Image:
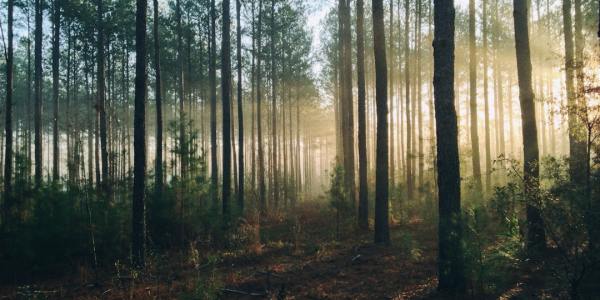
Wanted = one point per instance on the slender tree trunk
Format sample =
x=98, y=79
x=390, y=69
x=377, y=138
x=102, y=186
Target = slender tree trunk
x=473, y=99
x=363, y=194
x=410, y=186
x=261, y=158
x=382, y=234
x=392, y=70
x=226, y=94
x=240, y=109
x=38, y=93
x=139, y=173
x=8, y=153
x=535, y=233
x=158, y=180
x=488, y=154
x=212, y=74
x=55, y=86
x=183, y=143
x=450, y=256
x=101, y=99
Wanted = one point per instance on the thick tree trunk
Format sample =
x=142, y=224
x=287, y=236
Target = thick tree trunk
x=450, y=257
x=535, y=230
x=138, y=220
x=382, y=234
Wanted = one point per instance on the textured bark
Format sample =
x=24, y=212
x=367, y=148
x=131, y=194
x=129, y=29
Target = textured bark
x=158, y=180
x=363, y=193
x=473, y=99
x=535, y=229
x=450, y=257
x=382, y=234
x=226, y=94
x=138, y=219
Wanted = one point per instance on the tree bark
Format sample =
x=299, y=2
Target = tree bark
x=226, y=104
x=212, y=74
x=382, y=234
x=240, y=109
x=535, y=229
x=450, y=257
x=473, y=99
x=8, y=153
x=38, y=93
x=139, y=173
x=363, y=194
x=158, y=180
x=55, y=88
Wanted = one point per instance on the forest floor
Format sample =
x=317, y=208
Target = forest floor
x=299, y=259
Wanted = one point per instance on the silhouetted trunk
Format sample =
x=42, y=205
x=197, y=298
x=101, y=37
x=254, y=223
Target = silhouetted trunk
x=346, y=103
x=535, y=230
x=391, y=90
x=450, y=256
x=576, y=146
x=363, y=193
x=183, y=143
x=38, y=93
x=226, y=94
x=240, y=109
x=8, y=153
x=138, y=219
x=382, y=234
x=488, y=150
x=410, y=185
x=274, y=167
x=55, y=85
x=212, y=74
x=158, y=180
x=473, y=98
x=261, y=157
x=101, y=99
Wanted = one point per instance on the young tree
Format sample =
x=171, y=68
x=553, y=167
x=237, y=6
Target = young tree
x=450, y=257
x=382, y=233
x=363, y=193
x=226, y=94
x=138, y=219
x=535, y=230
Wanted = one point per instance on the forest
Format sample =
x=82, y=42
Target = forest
x=299, y=149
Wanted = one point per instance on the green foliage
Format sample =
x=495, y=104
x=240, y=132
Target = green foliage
x=337, y=197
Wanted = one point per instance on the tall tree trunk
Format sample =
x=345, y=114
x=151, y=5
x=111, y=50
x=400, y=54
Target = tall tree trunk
x=274, y=168
x=101, y=99
x=240, y=109
x=55, y=86
x=38, y=93
x=392, y=70
x=535, y=230
x=473, y=99
x=261, y=156
x=8, y=153
x=363, y=193
x=576, y=147
x=410, y=185
x=451, y=271
x=158, y=180
x=488, y=149
x=183, y=143
x=138, y=219
x=226, y=94
x=212, y=74
x=382, y=234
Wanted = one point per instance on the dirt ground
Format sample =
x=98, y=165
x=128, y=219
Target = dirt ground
x=300, y=259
